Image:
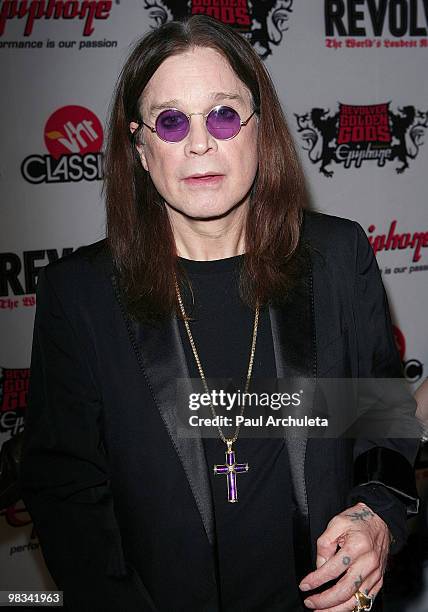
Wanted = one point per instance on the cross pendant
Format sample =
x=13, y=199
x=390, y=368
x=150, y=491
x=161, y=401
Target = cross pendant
x=230, y=468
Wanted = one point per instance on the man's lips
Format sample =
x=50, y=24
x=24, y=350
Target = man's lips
x=203, y=175
x=210, y=178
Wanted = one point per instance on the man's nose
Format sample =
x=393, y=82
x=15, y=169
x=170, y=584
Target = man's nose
x=199, y=140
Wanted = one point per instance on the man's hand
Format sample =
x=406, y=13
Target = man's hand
x=356, y=542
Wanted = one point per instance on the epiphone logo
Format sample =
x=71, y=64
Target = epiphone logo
x=398, y=240
x=34, y=10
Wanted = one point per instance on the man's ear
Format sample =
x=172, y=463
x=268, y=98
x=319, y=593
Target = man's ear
x=140, y=147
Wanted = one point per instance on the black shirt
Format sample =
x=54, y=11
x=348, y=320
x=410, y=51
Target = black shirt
x=254, y=549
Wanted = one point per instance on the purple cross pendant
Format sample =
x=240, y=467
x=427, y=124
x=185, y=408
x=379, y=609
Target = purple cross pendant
x=230, y=468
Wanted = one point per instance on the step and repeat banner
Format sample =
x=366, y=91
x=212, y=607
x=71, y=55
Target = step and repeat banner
x=351, y=75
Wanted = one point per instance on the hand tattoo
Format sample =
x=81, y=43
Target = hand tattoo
x=358, y=582
x=360, y=515
x=346, y=560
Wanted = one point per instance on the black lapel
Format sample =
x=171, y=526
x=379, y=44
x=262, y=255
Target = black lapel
x=294, y=340
x=293, y=333
x=162, y=361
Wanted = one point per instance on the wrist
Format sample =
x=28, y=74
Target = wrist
x=371, y=514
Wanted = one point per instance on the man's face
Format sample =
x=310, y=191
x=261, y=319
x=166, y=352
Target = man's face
x=195, y=82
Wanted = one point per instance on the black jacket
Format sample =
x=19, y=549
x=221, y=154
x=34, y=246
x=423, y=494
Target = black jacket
x=121, y=504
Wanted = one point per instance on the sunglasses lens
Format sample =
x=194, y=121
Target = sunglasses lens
x=223, y=122
x=172, y=125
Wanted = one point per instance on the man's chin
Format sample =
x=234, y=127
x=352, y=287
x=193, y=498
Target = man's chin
x=204, y=212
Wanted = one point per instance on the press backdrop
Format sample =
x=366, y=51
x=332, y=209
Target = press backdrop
x=352, y=79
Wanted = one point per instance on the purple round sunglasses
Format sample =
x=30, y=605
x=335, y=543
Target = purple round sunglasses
x=223, y=122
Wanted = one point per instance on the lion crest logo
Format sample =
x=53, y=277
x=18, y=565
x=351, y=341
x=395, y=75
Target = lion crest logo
x=357, y=134
x=263, y=23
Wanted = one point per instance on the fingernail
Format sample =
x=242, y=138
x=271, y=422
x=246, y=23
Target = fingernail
x=309, y=603
x=320, y=561
x=305, y=587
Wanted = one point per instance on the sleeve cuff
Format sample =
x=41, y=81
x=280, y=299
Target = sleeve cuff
x=389, y=468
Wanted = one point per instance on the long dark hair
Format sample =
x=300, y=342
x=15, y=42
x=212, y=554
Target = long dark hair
x=139, y=233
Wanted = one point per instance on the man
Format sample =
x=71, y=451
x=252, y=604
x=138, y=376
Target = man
x=209, y=264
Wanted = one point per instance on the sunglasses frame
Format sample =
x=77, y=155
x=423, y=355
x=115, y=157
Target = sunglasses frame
x=205, y=115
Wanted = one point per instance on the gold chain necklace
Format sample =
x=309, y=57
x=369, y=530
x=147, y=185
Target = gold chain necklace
x=231, y=467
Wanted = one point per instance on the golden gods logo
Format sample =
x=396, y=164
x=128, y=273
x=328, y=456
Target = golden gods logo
x=262, y=23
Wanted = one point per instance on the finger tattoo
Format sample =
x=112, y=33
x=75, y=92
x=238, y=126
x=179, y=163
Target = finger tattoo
x=358, y=582
x=346, y=560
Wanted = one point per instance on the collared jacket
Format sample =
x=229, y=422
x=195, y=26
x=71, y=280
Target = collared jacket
x=120, y=502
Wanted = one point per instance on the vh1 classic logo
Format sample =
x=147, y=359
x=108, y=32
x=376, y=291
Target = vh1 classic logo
x=357, y=134
x=73, y=135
